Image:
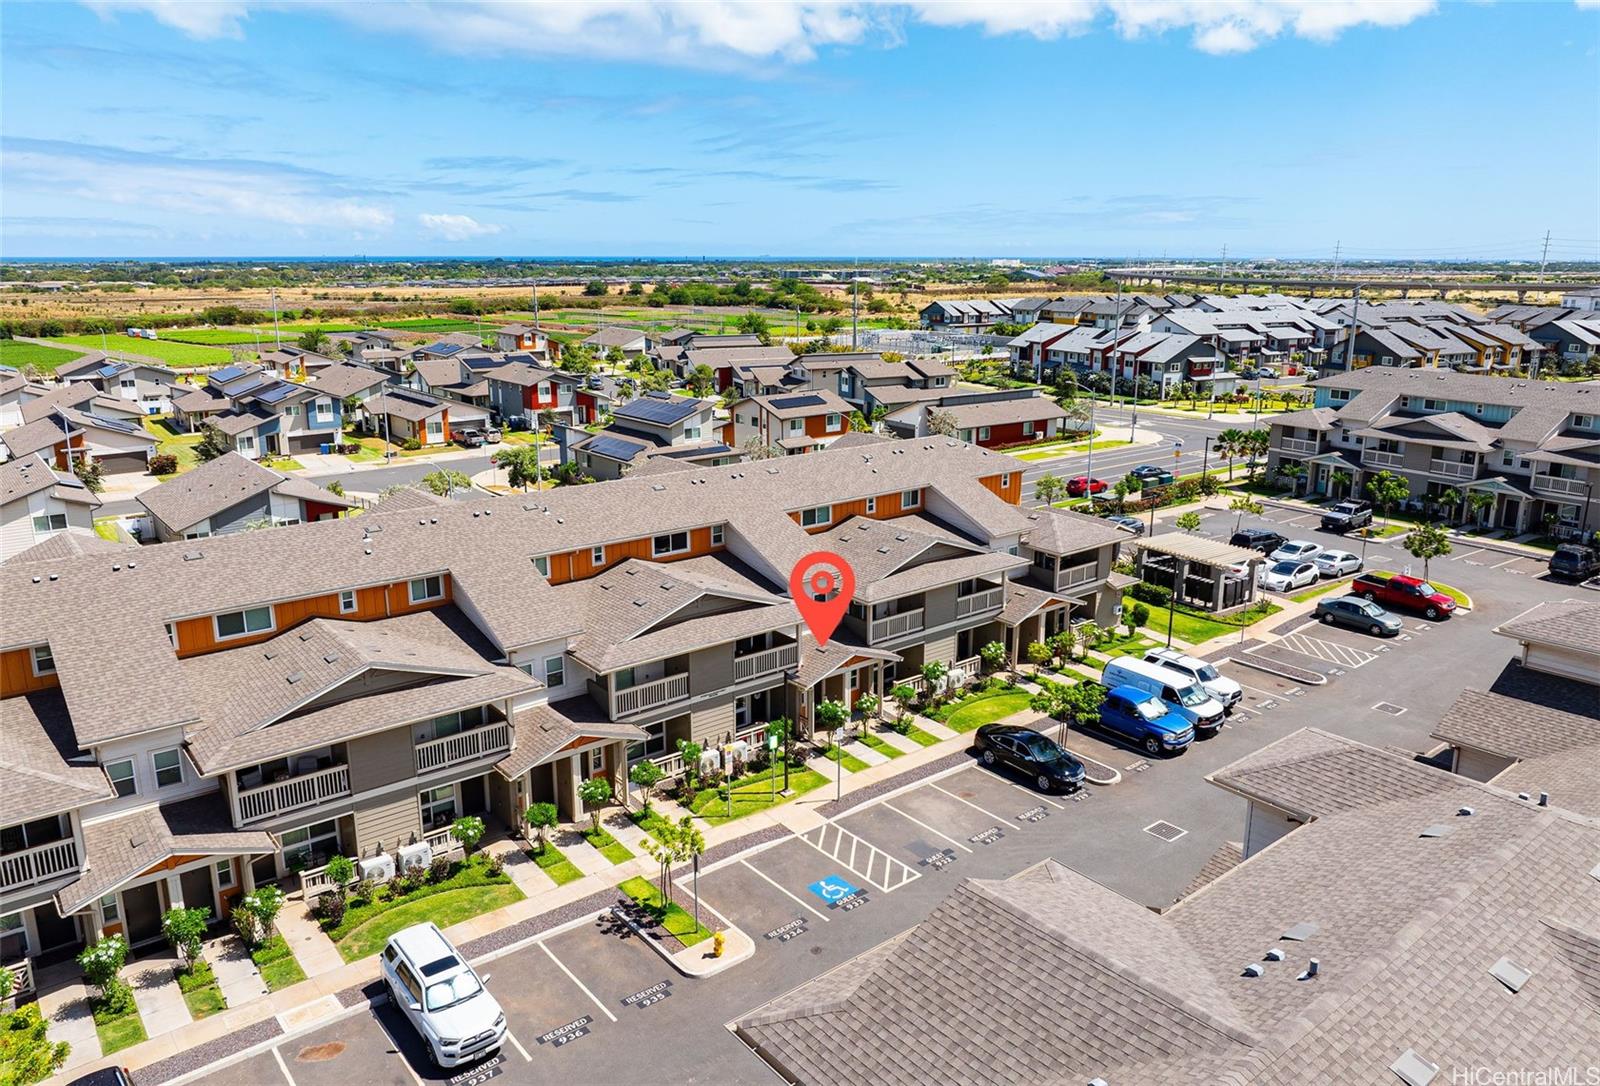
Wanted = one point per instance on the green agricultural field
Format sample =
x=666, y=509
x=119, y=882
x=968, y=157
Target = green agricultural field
x=17, y=355
x=248, y=337
x=442, y=324
x=168, y=351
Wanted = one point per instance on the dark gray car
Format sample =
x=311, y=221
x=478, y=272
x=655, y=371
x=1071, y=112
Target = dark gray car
x=1359, y=614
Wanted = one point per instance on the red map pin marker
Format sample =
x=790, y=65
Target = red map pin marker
x=822, y=584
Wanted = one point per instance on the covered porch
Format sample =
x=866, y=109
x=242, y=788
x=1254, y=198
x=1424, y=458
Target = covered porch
x=559, y=745
x=1032, y=614
x=842, y=670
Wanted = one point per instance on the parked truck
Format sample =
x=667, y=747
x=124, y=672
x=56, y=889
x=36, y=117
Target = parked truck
x=1403, y=594
x=1347, y=516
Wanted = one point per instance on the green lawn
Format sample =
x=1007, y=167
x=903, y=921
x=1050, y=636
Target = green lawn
x=917, y=735
x=169, y=351
x=469, y=891
x=277, y=964
x=1194, y=626
x=249, y=337
x=553, y=862
x=204, y=1002
x=679, y=924
x=754, y=793
x=286, y=463
x=650, y=822
x=1055, y=449
x=17, y=355
x=609, y=846
x=851, y=763
x=888, y=750
x=986, y=710
x=442, y=324
x=173, y=441
x=1386, y=531
x=1319, y=590
x=119, y=1033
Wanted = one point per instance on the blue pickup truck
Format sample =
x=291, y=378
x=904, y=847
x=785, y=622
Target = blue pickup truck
x=1143, y=718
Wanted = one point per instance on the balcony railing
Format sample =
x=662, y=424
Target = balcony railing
x=897, y=625
x=1555, y=484
x=671, y=764
x=463, y=747
x=1374, y=459
x=1453, y=469
x=1073, y=576
x=21, y=976
x=760, y=663
x=1298, y=445
x=294, y=793
x=637, y=699
x=987, y=600
x=38, y=864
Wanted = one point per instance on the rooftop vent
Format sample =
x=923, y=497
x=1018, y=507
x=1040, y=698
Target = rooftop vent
x=1465, y=812
x=1413, y=1069
x=638, y=603
x=55, y=576
x=37, y=579
x=1274, y=955
x=1300, y=932
x=294, y=678
x=1510, y=974
x=1544, y=799
x=192, y=556
x=658, y=487
x=330, y=657
x=1253, y=970
x=1311, y=970
x=1435, y=831
x=131, y=565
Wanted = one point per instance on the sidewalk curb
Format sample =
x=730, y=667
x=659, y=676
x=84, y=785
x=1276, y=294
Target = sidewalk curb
x=1245, y=659
x=726, y=962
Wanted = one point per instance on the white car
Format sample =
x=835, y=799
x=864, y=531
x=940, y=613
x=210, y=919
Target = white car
x=1215, y=683
x=1287, y=576
x=1337, y=563
x=1296, y=550
x=443, y=998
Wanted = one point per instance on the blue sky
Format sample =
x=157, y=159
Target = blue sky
x=1057, y=128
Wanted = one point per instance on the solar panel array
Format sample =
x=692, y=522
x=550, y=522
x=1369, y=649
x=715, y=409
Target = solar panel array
x=650, y=409
x=614, y=447
x=799, y=401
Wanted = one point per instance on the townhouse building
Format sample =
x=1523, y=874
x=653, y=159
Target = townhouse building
x=994, y=420
x=261, y=414
x=1573, y=345
x=519, y=391
x=16, y=390
x=79, y=395
x=351, y=381
x=148, y=387
x=963, y=315
x=234, y=493
x=721, y=357
x=629, y=341
x=39, y=502
x=445, y=658
x=66, y=436
x=657, y=422
x=403, y=415
x=295, y=363
x=515, y=338
x=1534, y=446
x=795, y=422
x=451, y=379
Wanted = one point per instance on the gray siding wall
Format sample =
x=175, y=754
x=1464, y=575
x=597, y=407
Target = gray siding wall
x=710, y=724
x=710, y=669
x=237, y=516
x=940, y=648
x=377, y=760
x=940, y=605
x=385, y=822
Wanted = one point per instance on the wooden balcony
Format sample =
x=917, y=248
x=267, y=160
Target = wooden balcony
x=761, y=663
x=1555, y=484
x=650, y=695
x=1073, y=576
x=905, y=622
x=280, y=797
x=1298, y=445
x=978, y=602
x=38, y=864
x=464, y=747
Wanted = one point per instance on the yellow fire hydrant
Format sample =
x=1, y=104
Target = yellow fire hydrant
x=717, y=941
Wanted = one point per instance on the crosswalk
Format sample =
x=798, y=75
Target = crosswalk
x=1331, y=652
x=860, y=856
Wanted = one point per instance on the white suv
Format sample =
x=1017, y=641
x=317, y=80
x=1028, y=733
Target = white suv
x=1213, y=681
x=445, y=1000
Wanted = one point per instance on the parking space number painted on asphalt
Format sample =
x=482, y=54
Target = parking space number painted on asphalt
x=481, y=1073
x=940, y=860
x=1034, y=814
x=988, y=836
x=578, y=1027
x=654, y=994
x=792, y=930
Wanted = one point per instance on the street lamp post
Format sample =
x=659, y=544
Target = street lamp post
x=1205, y=456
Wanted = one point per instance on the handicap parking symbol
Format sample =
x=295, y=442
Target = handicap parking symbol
x=832, y=889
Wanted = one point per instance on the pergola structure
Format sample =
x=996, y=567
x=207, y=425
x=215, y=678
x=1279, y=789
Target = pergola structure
x=1199, y=570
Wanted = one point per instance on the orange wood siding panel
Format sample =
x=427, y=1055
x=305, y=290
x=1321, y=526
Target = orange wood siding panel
x=1010, y=491
x=199, y=635
x=887, y=507
x=580, y=565
x=817, y=426
x=17, y=677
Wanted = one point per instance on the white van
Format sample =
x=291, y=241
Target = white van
x=1201, y=671
x=1182, y=695
x=443, y=998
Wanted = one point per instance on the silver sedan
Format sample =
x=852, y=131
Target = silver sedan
x=1337, y=563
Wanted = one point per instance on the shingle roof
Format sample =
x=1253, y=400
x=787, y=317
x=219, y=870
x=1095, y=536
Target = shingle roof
x=1001, y=412
x=614, y=336
x=347, y=379
x=34, y=760
x=68, y=544
x=548, y=728
x=207, y=489
x=30, y=473
x=41, y=434
x=660, y=409
x=1569, y=624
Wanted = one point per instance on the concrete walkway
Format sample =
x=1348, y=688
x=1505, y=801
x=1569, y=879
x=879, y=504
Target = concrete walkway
x=64, y=1003
x=312, y=948
x=237, y=975
x=584, y=856
x=860, y=750
x=896, y=740
x=156, y=991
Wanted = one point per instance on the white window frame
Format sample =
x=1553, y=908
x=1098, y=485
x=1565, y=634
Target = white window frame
x=819, y=516
x=832, y=420
x=543, y=391
x=347, y=601
x=49, y=527
x=429, y=799
x=1027, y=429
x=872, y=504
x=131, y=779
x=435, y=427
x=718, y=535
x=911, y=499
x=245, y=613
x=43, y=660
x=224, y=874
x=691, y=433
x=658, y=551
x=156, y=768
x=309, y=844
x=110, y=909
x=324, y=410
x=172, y=634
x=597, y=555
x=542, y=564
x=426, y=595
x=983, y=433
x=559, y=671
x=245, y=443
x=797, y=426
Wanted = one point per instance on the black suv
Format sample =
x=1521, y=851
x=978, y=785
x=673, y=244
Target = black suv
x=1575, y=562
x=1148, y=475
x=1264, y=540
x=1348, y=515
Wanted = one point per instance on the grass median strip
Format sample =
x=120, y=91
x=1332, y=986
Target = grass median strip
x=277, y=964
x=469, y=890
x=851, y=763
x=677, y=923
x=553, y=862
x=1319, y=590
x=1195, y=627
x=888, y=750
x=754, y=793
x=607, y=845
x=200, y=991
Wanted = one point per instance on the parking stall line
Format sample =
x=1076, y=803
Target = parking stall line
x=1507, y=562
x=780, y=888
x=1466, y=554
x=1037, y=795
x=873, y=852
x=1001, y=819
x=582, y=986
x=278, y=1056
x=512, y=1037
x=924, y=825
x=399, y=1053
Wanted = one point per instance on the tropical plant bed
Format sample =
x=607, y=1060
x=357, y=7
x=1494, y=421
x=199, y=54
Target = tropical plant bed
x=277, y=964
x=1196, y=626
x=755, y=792
x=851, y=763
x=607, y=845
x=469, y=891
x=553, y=862
x=200, y=990
x=877, y=743
x=118, y=1027
x=1385, y=531
x=670, y=917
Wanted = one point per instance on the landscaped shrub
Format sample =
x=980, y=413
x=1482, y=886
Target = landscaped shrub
x=438, y=869
x=331, y=907
x=185, y=929
x=1151, y=593
x=363, y=890
x=26, y=1052
x=163, y=464
x=495, y=866
x=102, y=962
x=411, y=444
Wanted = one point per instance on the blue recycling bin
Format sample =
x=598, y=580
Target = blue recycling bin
x=325, y=448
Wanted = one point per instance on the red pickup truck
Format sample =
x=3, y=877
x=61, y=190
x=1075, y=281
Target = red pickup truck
x=1403, y=594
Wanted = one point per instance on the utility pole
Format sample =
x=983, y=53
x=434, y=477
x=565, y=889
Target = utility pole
x=1223, y=274
x=1355, y=327
x=277, y=337
x=855, y=301
x=1544, y=257
x=1336, y=247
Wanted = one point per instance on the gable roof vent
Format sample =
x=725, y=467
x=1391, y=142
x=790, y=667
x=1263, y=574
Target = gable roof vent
x=1413, y=1069
x=1300, y=932
x=294, y=678
x=1510, y=974
x=1435, y=831
x=1466, y=812
x=188, y=556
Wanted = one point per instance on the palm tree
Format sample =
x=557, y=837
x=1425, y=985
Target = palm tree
x=1478, y=503
x=1451, y=500
x=1230, y=443
x=1339, y=479
x=1294, y=472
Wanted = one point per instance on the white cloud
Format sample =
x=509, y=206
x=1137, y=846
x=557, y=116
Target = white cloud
x=720, y=33
x=457, y=227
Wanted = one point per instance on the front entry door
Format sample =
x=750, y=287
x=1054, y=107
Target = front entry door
x=197, y=894
x=1508, y=513
x=55, y=930
x=142, y=906
x=474, y=799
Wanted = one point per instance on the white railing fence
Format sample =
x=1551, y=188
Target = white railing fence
x=986, y=600
x=463, y=746
x=38, y=863
x=648, y=695
x=896, y=625
x=759, y=663
x=304, y=791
